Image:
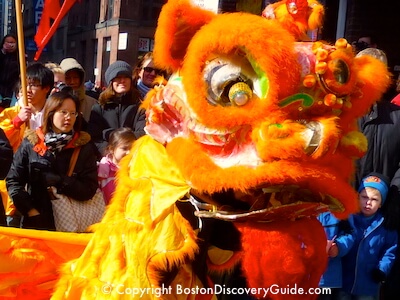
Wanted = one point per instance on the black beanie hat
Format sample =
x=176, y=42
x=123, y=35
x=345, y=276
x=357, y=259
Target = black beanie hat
x=117, y=68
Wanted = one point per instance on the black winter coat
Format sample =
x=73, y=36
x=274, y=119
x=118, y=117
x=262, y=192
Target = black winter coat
x=382, y=129
x=112, y=114
x=9, y=73
x=29, y=168
x=6, y=157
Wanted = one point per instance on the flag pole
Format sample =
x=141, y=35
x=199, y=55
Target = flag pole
x=21, y=50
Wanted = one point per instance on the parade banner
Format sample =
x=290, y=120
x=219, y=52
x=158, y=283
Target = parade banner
x=52, y=15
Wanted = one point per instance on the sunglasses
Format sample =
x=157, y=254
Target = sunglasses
x=150, y=69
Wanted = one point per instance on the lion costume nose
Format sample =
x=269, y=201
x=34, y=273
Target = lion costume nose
x=290, y=140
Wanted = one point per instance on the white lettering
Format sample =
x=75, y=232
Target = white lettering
x=39, y=4
x=179, y=289
x=120, y=289
x=38, y=16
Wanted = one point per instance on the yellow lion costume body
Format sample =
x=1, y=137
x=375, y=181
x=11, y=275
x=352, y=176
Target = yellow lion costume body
x=252, y=137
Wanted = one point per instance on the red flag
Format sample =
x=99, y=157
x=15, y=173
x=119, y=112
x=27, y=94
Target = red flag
x=51, y=11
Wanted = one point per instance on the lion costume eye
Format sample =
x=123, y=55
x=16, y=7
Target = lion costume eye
x=227, y=84
x=341, y=71
x=334, y=72
x=336, y=78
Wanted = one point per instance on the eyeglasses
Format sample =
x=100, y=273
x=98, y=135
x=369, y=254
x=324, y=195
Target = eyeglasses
x=66, y=113
x=33, y=86
x=150, y=69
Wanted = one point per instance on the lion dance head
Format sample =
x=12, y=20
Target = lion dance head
x=251, y=111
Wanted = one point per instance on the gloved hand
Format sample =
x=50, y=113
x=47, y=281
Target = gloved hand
x=36, y=222
x=51, y=178
x=378, y=276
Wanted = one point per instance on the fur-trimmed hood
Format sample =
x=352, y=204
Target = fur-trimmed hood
x=36, y=138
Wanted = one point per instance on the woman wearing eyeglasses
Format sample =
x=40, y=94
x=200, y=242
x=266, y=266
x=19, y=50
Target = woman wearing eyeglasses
x=145, y=73
x=43, y=159
x=118, y=107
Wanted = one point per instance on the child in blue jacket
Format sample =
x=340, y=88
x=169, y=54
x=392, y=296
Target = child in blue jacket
x=372, y=246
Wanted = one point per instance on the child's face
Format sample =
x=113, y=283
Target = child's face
x=120, y=151
x=370, y=200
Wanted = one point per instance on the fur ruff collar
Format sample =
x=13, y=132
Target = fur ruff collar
x=36, y=138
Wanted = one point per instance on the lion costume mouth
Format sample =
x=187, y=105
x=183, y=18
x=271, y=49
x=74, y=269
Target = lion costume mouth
x=267, y=204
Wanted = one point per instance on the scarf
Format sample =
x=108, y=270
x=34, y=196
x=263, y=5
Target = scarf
x=55, y=142
x=143, y=89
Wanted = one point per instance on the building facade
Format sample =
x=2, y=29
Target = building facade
x=125, y=31
x=7, y=17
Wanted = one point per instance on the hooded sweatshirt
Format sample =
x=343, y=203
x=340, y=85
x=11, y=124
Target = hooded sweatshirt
x=87, y=102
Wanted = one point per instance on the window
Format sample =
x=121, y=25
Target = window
x=110, y=9
x=151, y=10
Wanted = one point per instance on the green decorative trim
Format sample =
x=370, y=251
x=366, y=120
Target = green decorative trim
x=306, y=100
x=276, y=125
x=262, y=78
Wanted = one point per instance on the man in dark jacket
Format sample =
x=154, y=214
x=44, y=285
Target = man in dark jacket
x=6, y=156
x=381, y=128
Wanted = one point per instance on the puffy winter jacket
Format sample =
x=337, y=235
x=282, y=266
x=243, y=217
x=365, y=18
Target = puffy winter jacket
x=373, y=247
x=113, y=113
x=26, y=184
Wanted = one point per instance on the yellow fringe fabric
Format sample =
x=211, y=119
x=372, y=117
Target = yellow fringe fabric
x=141, y=235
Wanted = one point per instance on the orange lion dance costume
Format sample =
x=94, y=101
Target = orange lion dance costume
x=252, y=137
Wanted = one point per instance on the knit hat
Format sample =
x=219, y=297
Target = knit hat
x=376, y=181
x=117, y=68
x=89, y=85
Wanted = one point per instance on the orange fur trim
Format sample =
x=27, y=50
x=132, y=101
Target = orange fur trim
x=226, y=267
x=317, y=14
x=178, y=22
x=355, y=144
x=373, y=78
x=284, y=254
x=280, y=141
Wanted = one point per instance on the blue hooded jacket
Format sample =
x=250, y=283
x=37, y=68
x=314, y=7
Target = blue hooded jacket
x=374, y=248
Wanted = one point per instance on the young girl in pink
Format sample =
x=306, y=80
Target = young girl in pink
x=119, y=145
